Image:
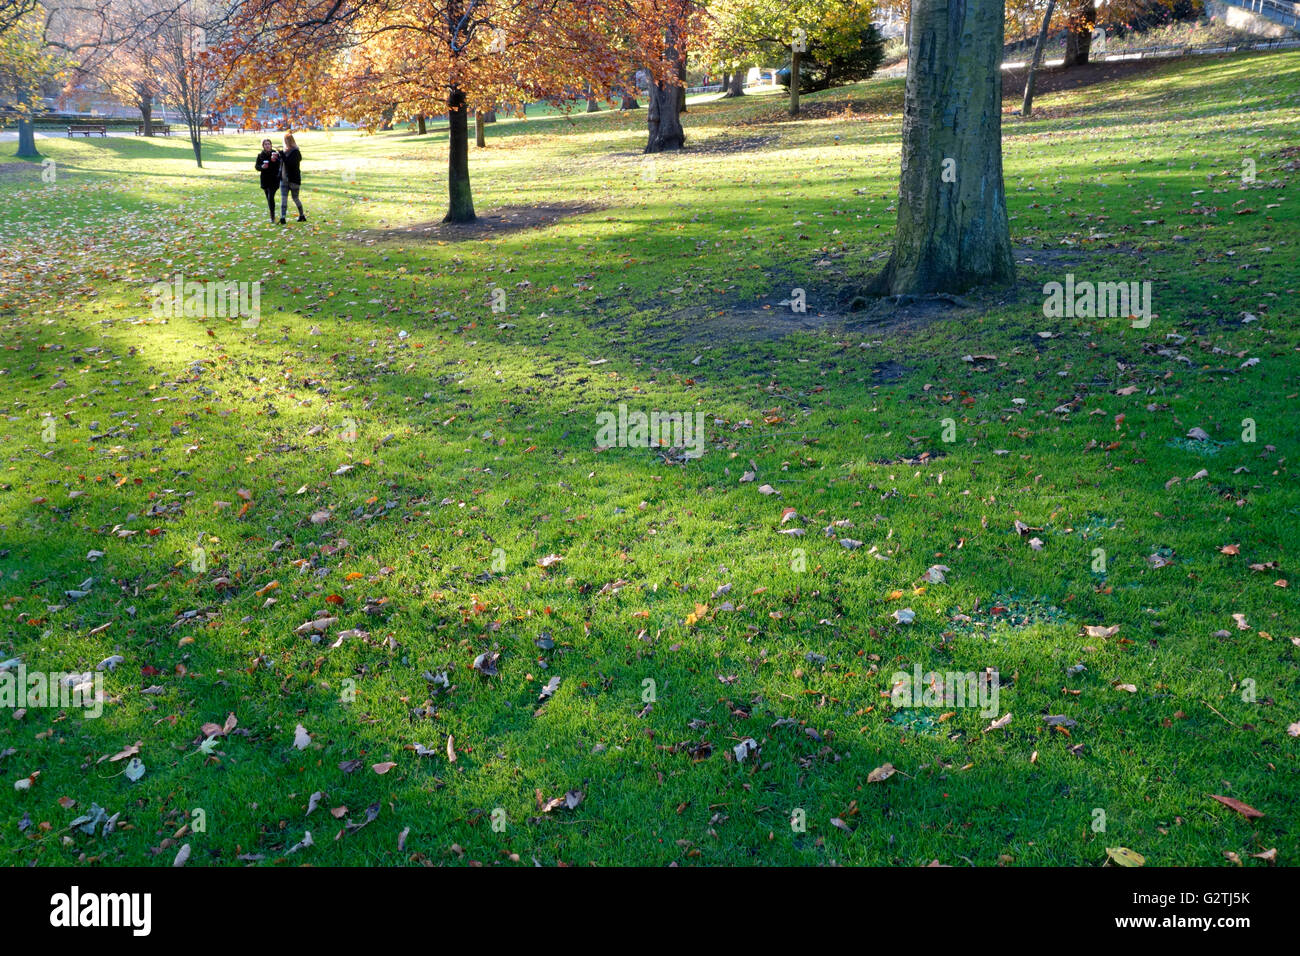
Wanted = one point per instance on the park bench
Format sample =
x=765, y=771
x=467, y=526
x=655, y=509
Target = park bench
x=86, y=130
x=159, y=129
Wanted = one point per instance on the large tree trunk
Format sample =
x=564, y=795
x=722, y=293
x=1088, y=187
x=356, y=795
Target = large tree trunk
x=420, y=126
x=1027, y=107
x=1078, y=32
x=952, y=228
x=480, y=135
x=629, y=102
x=26, y=131
x=681, y=90
x=737, y=85
x=663, y=120
x=794, y=80
x=663, y=117
x=460, y=207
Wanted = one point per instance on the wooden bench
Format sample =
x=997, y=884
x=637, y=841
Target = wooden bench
x=87, y=130
x=159, y=129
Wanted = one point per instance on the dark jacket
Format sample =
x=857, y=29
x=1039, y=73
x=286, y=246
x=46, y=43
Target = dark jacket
x=270, y=169
x=290, y=170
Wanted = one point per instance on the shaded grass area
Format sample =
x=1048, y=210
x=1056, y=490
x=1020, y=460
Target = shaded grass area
x=386, y=447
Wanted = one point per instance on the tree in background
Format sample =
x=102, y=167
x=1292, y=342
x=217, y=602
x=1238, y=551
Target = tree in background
x=845, y=48
x=742, y=32
x=185, y=37
x=25, y=62
x=357, y=58
x=130, y=65
x=952, y=229
x=659, y=31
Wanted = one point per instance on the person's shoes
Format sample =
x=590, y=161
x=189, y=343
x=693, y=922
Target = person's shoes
x=282, y=220
x=302, y=218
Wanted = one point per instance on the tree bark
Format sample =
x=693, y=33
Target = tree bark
x=460, y=207
x=420, y=127
x=726, y=82
x=480, y=135
x=794, y=81
x=145, y=102
x=26, y=131
x=681, y=90
x=663, y=117
x=629, y=102
x=737, y=86
x=952, y=229
x=593, y=106
x=1027, y=107
x=1078, y=33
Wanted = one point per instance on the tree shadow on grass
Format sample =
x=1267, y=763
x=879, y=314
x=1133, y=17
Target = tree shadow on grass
x=499, y=222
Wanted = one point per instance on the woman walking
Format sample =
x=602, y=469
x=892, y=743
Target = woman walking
x=268, y=164
x=290, y=177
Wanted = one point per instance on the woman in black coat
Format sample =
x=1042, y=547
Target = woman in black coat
x=290, y=177
x=268, y=164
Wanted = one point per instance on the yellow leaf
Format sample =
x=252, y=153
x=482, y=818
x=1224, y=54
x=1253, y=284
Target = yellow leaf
x=1124, y=856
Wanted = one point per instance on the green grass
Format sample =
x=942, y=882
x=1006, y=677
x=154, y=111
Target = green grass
x=474, y=459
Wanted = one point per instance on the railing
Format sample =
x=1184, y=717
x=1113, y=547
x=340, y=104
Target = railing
x=1287, y=14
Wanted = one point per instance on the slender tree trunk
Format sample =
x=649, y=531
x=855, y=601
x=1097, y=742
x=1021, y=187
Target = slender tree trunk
x=794, y=81
x=1078, y=35
x=726, y=81
x=593, y=106
x=480, y=135
x=460, y=206
x=196, y=139
x=421, y=128
x=145, y=102
x=952, y=229
x=490, y=116
x=26, y=131
x=1027, y=108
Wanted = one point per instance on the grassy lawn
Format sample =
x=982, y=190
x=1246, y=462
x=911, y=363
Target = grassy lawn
x=385, y=449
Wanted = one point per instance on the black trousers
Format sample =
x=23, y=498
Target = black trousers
x=270, y=200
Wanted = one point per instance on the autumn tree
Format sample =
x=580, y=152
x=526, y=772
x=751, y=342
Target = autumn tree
x=25, y=61
x=952, y=229
x=356, y=58
x=126, y=54
x=742, y=32
x=661, y=29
